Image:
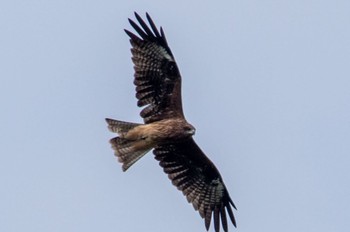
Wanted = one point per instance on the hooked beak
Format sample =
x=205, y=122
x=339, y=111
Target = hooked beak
x=192, y=131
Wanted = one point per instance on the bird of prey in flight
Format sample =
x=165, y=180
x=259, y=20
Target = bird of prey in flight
x=165, y=129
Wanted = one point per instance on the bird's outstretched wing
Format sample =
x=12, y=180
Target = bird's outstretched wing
x=195, y=175
x=157, y=77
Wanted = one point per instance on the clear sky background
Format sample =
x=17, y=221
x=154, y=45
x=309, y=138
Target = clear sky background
x=266, y=84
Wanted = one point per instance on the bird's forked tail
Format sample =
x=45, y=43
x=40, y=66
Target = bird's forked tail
x=127, y=150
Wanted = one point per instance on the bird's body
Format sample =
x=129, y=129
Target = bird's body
x=165, y=129
x=140, y=138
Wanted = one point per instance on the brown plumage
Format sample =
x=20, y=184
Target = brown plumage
x=166, y=131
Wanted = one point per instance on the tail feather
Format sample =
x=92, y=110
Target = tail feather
x=120, y=127
x=128, y=151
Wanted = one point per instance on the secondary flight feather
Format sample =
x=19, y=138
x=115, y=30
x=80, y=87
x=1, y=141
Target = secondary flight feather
x=165, y=129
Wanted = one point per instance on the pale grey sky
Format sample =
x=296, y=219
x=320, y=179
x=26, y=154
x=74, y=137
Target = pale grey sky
x=266, y=84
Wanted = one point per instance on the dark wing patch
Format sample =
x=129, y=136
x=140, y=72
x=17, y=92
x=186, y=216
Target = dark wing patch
x=157, y=77
x=196, y=176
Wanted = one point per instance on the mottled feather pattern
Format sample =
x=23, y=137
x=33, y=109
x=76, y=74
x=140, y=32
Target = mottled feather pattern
x=127, y=152
x=166, y=131
x=187, y=167
x=120, y=127
x=150, y=71
x=157, y=78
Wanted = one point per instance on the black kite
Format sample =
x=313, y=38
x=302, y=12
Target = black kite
x=166, y=131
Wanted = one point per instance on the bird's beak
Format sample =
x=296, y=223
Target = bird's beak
x=192, y=132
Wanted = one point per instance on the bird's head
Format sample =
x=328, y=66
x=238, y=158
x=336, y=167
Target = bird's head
x=189, y=130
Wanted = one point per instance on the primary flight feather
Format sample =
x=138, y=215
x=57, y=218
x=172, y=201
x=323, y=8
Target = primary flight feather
x=165, y=129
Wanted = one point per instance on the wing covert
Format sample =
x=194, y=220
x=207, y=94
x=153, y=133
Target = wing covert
x=199, y=180
x=157, y=77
